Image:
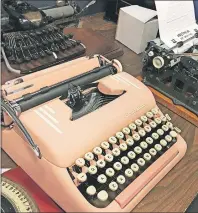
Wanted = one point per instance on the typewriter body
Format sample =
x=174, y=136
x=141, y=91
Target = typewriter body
x=103, y=158
x=173, y=74
x=24, y=16
x=36, y=41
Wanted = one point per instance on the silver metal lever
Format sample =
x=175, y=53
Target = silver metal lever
x=12, y=113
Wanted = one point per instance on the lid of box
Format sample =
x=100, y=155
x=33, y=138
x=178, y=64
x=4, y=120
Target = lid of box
x=140, y=13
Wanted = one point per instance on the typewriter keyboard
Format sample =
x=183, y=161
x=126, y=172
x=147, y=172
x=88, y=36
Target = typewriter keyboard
x=40, y=48
x=104, y=172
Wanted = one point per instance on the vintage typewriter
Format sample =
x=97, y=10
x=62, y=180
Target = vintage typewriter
x=90, y=135
x=173, y=74
x=36, y=41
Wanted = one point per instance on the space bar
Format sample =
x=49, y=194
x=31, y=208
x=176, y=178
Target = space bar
x=140, y=182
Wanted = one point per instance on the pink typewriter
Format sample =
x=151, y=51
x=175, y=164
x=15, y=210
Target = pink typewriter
x=90, y=135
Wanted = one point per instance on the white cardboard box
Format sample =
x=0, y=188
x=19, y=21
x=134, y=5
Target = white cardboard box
x=136, y=26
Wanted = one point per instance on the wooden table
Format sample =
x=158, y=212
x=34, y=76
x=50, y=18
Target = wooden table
x=176, y=191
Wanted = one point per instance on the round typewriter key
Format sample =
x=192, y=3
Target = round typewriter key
x=116, y=152
x=154, y=111
x=138, y=122
x=158, y=147
x=143, y=145
x=117, y=166
x=142, y=133
x=82, y=177
x=102, y=195
x=137, y=150
x=149, y=114
x=123, y=146
x=91, y=190
x=121, y=179
x=149, y=140
x=108, y=157
x=168, y=117
x=155, y=136
x=97, y=151
x=80, y=162
x=130, y=142
x=160, y=132
x=112, y=140
x=124, y=160
x=165, y=128
x=147, y=156
x=163, y=118
x=113, y=186
x=89, y=156
x=144, y=118
x=135, y=167
x=153, y=124
x=141, y=162
x=158, y=120
x=105, y=145
x=136, y=137
x=119, y=135
x=101, y=163
x=170, y=125
x=102, y=179
x=131, y=155
x=173, y=134
x=163, y=142
x=152, y=151
x=126, y=131
x=147, y=128
x=128, y=173
x=110, y=172
x=168, y=138
x=132, y=126
x=92, y=170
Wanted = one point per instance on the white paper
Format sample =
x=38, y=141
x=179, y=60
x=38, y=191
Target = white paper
x=176, y=23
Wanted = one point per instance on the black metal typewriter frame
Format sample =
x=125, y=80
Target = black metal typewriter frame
x=177, y=78
x=27, y=67
x=76, y=54
x=154, y=79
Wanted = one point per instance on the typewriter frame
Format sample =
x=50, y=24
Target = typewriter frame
x=60, y=185
x=173, y=79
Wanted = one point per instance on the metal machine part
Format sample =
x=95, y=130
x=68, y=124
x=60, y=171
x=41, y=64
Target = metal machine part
x=174, y=75
x=11, y=111
x=14, y=198
x=24, y=16
x=61, y=88
x=83, y=103
x=47, y=46
x=60, y=12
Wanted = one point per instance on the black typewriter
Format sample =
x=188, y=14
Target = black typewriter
x=174, y=75
x=25, y=16
x=35, y=42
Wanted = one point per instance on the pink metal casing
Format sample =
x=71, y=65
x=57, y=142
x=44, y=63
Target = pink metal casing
x=62, y=141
